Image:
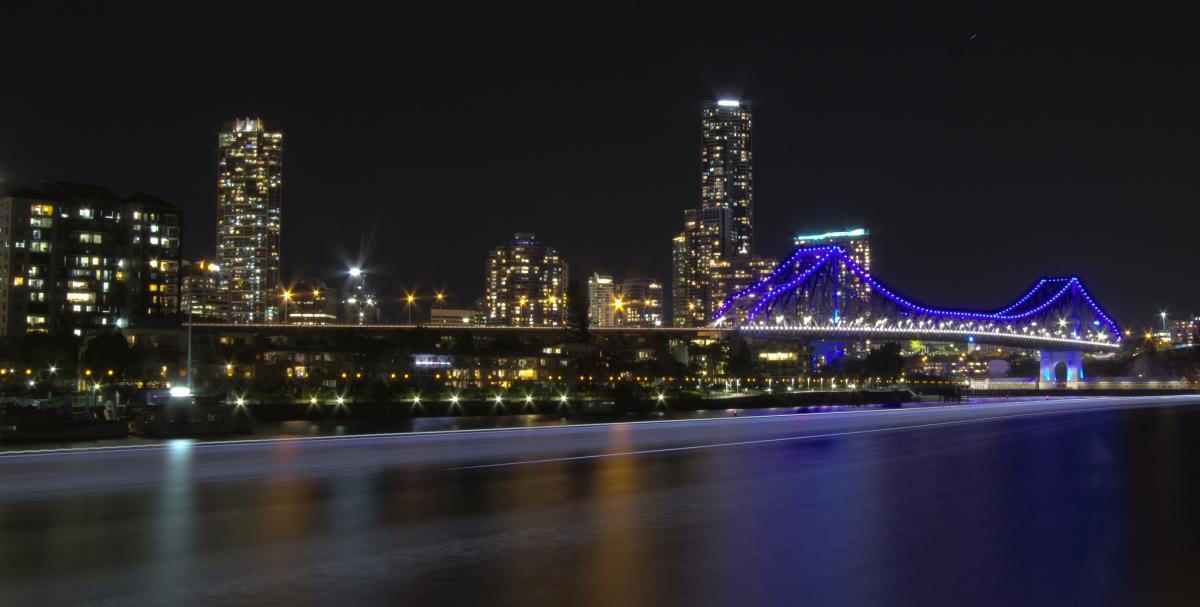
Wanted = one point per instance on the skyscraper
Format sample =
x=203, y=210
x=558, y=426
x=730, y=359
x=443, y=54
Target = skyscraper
x=249, y=206
x=525, y=285
x=726, y=177
x=722, y=228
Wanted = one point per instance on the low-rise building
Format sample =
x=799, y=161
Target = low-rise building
x=451, y=316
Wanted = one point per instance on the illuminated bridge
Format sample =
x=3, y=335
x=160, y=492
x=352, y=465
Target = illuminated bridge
x=821, y=293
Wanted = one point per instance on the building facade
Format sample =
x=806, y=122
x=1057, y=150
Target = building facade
x=602, y=295
x=452, y=316
x=641, y=303
x=77, y=258
x=697, y=250
x=204, y=292
x=310, y=303
x=525, y=285
x=359, y=304
x=1185, y=332
x=857, y=245
x=249, y=217
x=727, y=176
x=722, y=227
x=731, y=275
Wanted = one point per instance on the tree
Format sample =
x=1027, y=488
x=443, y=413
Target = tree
x=109, y=351
x=577, y=311
x=737, y=356
x=884, y=361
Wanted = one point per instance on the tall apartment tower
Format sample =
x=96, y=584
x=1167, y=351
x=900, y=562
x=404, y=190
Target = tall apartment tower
x=249, y=206
x=727, y=177
x=723, y=227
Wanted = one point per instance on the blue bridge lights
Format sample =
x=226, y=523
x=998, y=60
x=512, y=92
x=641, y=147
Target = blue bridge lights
x=810, y=293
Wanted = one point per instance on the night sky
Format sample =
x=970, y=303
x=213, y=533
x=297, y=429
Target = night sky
x=981, y=149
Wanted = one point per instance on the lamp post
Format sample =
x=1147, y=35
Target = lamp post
x=287, y=296
x=1163, y=314
x=409, y=301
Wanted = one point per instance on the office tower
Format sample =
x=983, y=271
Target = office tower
x=249, y=205
x=727, y=178
x=78, y=258
x=857, y=245
x=525, y=285
x=601, y=299
x=205, y=296
x=640, y=303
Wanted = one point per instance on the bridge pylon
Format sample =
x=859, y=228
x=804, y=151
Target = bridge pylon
x=1065, y=366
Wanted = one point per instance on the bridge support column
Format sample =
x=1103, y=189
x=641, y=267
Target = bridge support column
x=1072, y=360
x=827, y=353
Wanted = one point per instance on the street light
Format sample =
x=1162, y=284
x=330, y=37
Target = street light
x=409, y=301
x=355, y=272
x=287, y=296
x=1163, y=314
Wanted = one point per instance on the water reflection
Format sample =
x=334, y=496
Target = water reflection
x=173, y=546
x=1090, y=509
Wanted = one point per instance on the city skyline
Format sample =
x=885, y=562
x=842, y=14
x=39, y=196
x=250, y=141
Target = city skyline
x=916, y=167
x=511, y=304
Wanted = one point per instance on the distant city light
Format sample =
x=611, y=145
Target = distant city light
x=356, y=272
x=728, y=103
x=180, y=391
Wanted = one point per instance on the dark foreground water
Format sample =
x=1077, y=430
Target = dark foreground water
x=1081, y=502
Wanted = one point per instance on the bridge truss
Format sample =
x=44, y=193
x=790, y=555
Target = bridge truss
x=823, y=291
